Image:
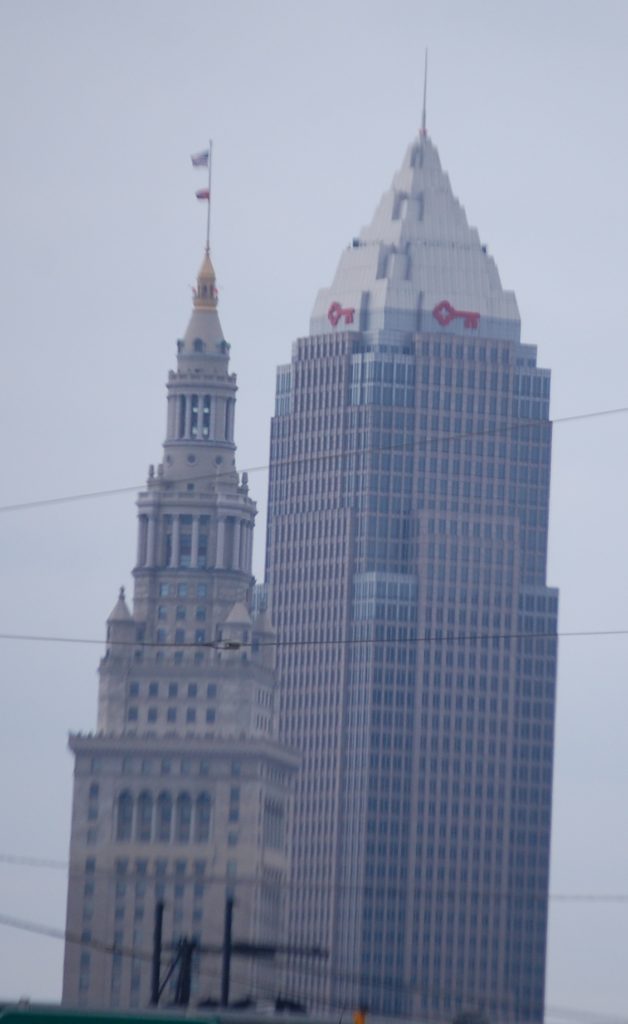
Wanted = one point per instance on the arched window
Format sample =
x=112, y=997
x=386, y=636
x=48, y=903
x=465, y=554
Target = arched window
x=183, y=818
x=164, y=817
x=144, y=824
x=198, y=345
x=203, y=817
x=125, y=816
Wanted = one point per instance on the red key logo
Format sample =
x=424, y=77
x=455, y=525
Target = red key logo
x=444, y=312
x=335, y=314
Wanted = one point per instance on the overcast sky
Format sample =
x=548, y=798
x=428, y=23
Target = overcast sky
x=311, y=106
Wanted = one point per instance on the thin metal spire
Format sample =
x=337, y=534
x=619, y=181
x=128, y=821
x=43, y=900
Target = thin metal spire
x=423, y=116
x=209, y=195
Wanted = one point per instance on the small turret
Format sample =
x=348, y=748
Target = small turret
x=120, y=624
x=236, y=630
x=120, y=611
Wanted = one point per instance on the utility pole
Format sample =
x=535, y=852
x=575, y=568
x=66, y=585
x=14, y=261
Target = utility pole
x=186, y=948
x=226, y=953
x=184, y=980
x=251, y=949
x=157, y=938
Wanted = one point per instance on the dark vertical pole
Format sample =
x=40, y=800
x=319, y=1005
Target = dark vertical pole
x=159, y=920
x=226, y=952
x=184, y=983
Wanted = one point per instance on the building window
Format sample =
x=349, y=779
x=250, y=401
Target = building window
x=132, y=714
x=203, y=817
x=210, y=715
x=184, y=818
x=206, y=413
x=144, y=817
x=92, y=803
x=164, y=817
x=125, y=816
x=234, y=803
x=190, y=715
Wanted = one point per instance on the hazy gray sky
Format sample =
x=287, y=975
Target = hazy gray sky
x=311, y=106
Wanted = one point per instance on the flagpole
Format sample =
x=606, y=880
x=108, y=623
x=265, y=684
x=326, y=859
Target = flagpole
x=209, y=194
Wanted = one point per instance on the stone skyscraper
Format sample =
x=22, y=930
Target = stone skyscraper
x=406, y=571
x=183, y=794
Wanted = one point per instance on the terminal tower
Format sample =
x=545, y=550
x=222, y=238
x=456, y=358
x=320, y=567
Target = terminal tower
x=182, y=795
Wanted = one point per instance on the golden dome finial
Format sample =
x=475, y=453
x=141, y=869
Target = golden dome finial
x=206, y=293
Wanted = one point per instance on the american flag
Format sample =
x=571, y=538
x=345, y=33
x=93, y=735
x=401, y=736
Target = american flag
x=200, y=159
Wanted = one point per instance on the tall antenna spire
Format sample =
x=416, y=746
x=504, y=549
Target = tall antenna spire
x=209, y=194
x=423, y=115
x=204, y=159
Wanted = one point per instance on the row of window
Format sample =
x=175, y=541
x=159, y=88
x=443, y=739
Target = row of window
x=171, y=689
x=167, y=766
x=183, y=589
x=181, y=612
x=181, y=636
x=153, y=715
x=166, y=819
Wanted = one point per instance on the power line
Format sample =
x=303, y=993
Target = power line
x=323, y=456
x=226, y=645
x=221, y=879
x=325, y=972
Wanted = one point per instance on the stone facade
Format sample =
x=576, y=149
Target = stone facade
x=184, y=793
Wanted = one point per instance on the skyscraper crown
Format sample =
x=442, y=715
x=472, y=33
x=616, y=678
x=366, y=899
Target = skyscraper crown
x=417, y=265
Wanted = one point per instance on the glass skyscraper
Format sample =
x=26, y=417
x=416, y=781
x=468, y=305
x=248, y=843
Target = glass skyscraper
x=406, y=572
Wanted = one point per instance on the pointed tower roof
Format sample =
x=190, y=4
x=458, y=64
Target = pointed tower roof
x=206, y=295
x=120, y=611
x=204, y=325
x=239, y=615
x=417, y=253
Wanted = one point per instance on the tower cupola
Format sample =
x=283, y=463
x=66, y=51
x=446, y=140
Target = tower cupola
x=206, y=293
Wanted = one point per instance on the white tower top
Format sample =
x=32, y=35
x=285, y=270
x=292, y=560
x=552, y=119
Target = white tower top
x=418, y=264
